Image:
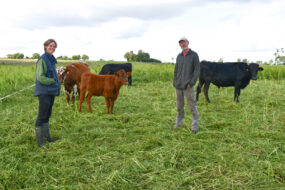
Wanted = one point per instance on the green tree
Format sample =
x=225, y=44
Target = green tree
x=140, y=57
x=16, y=56
x=19, y=56
x=76, y=57
x=279, y=56
x=133, y=57
x=245, y=60
x=85, y=57
x=127, y=56
x=239, y=60
x=35, y=56
x=151, y=60
x=143, y=56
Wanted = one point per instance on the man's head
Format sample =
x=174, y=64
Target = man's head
x=183, y=42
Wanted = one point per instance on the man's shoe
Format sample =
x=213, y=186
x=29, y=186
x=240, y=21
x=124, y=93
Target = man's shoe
x=178, y=122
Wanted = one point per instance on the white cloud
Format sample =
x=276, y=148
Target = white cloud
x=108, y=29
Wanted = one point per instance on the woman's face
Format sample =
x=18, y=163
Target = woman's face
x=51, y=48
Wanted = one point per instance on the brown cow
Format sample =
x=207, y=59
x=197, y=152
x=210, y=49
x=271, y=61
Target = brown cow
x=102, y=85
x=71, y=77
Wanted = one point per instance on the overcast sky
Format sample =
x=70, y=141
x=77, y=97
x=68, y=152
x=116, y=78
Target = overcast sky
x=107, y=29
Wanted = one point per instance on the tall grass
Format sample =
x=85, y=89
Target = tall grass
x=238, y=146
x=272, y=72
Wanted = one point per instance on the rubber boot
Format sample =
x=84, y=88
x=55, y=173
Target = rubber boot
x=40, y=136
x=47, y=134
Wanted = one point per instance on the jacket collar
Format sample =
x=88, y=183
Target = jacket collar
x=51, y=58
x=189, y=52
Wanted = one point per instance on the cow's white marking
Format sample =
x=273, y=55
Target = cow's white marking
x=74, y=90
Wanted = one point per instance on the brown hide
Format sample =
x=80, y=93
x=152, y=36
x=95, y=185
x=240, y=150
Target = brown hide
x=72, y=77
x=102, y=85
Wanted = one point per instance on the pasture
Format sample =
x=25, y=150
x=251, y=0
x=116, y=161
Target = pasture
x=238, y=146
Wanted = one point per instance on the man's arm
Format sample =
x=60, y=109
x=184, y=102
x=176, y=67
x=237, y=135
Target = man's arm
x=196, y=72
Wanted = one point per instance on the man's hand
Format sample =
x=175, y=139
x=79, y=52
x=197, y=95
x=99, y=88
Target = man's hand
x=189, y=86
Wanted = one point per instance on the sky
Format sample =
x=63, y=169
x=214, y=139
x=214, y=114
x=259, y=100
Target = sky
x=107, y=29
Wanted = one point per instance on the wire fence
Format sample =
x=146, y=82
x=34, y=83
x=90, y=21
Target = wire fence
x=16, y=92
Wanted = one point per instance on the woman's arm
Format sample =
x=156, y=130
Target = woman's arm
x=41, y=73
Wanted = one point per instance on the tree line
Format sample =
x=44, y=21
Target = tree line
x=140, y=57
x=37, y=55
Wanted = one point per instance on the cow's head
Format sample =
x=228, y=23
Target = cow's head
x=253, y=68
x=60, y=73
x=122, y=75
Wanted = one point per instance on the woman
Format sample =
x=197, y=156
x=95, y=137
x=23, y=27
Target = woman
x=47, y=87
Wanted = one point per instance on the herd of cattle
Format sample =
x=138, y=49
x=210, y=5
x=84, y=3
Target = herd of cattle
x=77, y=78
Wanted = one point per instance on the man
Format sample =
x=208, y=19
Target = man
x=186, y=73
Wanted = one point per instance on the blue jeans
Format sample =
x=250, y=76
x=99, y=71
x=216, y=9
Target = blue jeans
x=45, y=109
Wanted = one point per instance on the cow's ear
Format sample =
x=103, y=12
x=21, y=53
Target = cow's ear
x=247, y=68
x=260, y=68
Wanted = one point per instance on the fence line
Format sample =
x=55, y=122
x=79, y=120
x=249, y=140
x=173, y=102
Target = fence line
x=16, y=92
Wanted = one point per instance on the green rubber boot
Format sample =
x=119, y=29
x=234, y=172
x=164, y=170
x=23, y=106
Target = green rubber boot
x=40, y=136
x=47, y=134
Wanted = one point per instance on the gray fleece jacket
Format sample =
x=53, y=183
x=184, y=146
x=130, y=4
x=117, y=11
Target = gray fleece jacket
x=187, y=70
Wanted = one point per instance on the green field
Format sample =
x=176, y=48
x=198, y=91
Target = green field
x=238, y=146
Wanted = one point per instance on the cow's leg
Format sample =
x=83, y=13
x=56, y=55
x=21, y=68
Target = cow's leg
x=67, y=97
x=66, y=94
x=199, y=87
x=237, y=93
x=88, y=99
x=112, y=102
x=81, y=99
x=74, y=93
x=206, y=89
x=78, y=91
x=130, y=80
x=107, y=99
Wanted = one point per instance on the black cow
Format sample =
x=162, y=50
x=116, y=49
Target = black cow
x=237, y=74
x=110, y=69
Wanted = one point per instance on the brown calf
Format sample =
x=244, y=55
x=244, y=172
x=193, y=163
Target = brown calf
x=71, y=78
x=102, y=85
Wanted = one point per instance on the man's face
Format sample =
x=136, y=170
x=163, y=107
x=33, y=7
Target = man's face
x=184, y=44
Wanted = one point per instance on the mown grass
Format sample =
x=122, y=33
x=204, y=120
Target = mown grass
x=239, y=146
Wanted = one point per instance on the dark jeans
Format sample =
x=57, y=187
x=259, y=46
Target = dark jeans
x=45, y=109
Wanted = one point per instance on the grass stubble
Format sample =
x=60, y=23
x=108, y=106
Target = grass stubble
x=238, y=146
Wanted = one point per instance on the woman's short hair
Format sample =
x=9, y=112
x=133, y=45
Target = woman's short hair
x=48, y=42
